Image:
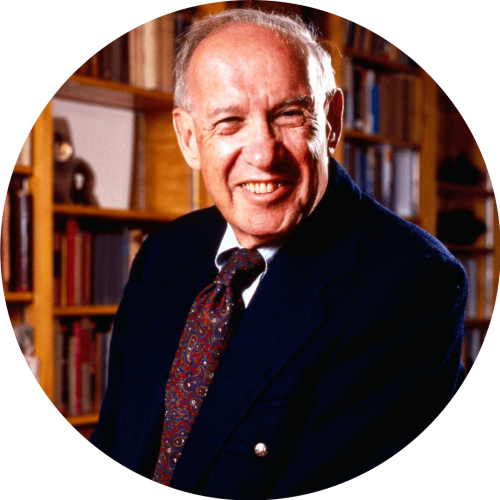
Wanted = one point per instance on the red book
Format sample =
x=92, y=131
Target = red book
x=86, y=375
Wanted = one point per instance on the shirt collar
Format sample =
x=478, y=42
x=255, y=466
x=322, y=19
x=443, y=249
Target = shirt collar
x=229, y=241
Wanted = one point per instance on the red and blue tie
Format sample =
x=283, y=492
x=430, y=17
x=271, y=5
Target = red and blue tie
x=212, y=320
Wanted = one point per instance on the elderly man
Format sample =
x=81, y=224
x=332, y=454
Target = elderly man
x=325, y=332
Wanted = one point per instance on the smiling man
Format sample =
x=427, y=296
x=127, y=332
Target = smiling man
x=258, y=129
x=297, y=334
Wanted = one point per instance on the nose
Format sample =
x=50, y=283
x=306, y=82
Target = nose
x=262, y=147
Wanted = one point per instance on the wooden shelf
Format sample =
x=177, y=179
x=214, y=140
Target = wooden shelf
x=459, y=190
x=18, y=297
x=70, y=210
x=97, y=91
x=24, y=170
x=381, y=62
x=469, y=249
x=81, y=420
x=477, y=323
x=90, y=310
x=358, y=136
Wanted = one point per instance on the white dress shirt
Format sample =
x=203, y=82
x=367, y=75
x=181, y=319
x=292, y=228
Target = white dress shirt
x=268, y=252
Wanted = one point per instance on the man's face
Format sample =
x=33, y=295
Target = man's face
x=256, y=130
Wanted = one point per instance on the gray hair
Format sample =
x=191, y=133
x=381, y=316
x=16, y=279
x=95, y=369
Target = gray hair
x=292, y=30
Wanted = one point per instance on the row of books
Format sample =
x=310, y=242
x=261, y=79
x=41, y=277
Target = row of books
x=388, y=104
x=92, y=266
x=16, y=242
x=480, y=273
x=81, y=364
x=388, y=174
x=358, y=38
x=144, y=57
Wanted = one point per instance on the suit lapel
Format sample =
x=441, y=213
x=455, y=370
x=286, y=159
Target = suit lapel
x=284, y=313
x=160, y=307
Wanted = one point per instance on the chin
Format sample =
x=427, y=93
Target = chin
x=259, y=234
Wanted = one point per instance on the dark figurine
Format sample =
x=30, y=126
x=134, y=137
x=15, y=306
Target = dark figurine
x=74, y=179
x=460, y=170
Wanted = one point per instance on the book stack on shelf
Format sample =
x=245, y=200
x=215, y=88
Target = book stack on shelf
x=91, y=266
x=16, y=225
x=390, y=175
x=356, y=38
x=144, y=57
x=81, y=364
x=16, y=256
x=381, y=103
x=383, y=119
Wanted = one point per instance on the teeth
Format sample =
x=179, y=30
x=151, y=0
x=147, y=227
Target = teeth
x=261, y=187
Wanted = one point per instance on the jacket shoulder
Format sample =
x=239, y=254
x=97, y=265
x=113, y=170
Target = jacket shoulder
x=186, y=239
x=407, y=253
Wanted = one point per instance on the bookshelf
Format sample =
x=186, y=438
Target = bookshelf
x=165, y=168
x=465, y=190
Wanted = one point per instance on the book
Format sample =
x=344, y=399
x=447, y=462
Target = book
x=405, y=188
x=71, y=261
x=81, y=350
x=144, y=57
x=391, y=176
x=383, y=104
x=21, y=236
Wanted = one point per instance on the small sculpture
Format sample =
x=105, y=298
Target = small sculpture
x=74, y=179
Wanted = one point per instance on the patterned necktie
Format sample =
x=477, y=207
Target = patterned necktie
x=211, y=321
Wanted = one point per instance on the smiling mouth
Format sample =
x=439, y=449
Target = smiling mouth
x=261, y=187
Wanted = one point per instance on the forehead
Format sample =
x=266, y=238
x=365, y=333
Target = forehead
x=246, y=59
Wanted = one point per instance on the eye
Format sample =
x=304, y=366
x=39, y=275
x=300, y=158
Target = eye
x=228, y=125
x=291, y=118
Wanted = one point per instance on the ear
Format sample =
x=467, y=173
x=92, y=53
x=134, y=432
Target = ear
x=334, y=118
x=186, y=137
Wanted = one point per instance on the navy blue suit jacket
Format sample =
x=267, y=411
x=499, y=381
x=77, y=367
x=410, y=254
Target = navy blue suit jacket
x=349, y=349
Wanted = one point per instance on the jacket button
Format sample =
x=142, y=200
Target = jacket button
x=260, y=450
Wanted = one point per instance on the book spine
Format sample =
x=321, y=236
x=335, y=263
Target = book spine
x=22, y=241
x=71, y=230
x=78, y=356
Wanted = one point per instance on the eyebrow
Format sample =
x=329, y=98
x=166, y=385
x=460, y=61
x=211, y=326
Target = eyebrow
x=305, y=100
x=221, y=111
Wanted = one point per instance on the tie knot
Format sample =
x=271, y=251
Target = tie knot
x=242, y=267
